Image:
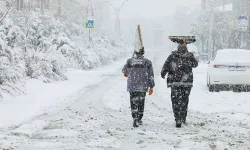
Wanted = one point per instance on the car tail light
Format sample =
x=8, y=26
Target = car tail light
x=219, y=66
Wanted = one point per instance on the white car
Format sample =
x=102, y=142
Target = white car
x=229, y=69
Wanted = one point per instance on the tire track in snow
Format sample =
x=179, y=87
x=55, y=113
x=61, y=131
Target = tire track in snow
x=92, y=122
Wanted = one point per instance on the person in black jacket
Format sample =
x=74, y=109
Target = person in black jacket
x=179, y=66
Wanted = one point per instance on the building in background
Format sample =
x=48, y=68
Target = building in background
x=215, y=3
x=32, y=4
x=226, y=14
x=101, y=15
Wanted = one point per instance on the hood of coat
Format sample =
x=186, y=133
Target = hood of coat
x=181, y=53
x=182, y=48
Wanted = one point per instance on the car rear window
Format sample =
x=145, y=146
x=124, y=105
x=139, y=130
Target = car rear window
x=227, y=55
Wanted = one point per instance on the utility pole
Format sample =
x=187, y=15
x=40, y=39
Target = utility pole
x=7, y=12
x=89, y=12
x=117, y=22
x=211, y=29
x=59, y=9
x=248, y=31
x=223, y=6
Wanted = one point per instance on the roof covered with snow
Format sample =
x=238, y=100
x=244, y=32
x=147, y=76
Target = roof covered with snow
x=233, y=54
x=234, y=50
x=228, y=7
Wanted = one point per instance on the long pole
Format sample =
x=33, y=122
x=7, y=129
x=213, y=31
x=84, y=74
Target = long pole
x=119, y=25
x=117, y=15
x=117, y=11
x=211, y=27
x=89, y=35
x=92, y=14
x=223, y=6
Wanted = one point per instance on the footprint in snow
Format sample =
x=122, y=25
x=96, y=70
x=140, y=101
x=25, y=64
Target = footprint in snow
x=140, y=142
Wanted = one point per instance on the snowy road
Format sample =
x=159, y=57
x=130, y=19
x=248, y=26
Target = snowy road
x=99, y=118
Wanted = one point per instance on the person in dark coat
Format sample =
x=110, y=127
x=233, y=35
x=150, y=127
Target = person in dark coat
x=140, y=74
x=179, y=66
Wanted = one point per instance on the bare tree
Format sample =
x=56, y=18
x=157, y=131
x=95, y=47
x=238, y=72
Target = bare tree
x=7, y=12
x=20, y=4
x=59, y=8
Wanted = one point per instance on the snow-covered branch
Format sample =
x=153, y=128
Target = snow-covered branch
x=7, y=12
x=38, y=45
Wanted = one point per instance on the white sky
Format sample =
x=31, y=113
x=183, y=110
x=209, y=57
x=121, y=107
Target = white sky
x=153, y=14
x=153, y=8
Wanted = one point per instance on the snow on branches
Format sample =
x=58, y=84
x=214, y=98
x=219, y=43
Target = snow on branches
x=11, y=69
x=37, y=45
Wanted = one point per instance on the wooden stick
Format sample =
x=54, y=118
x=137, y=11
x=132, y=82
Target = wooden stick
x=140, y=36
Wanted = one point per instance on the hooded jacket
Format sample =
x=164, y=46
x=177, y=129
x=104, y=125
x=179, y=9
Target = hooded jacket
x=179, y=66
x=140, y=74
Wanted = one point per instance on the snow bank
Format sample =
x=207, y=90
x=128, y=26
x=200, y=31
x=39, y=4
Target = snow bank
x=30, y=129
x=41, y=96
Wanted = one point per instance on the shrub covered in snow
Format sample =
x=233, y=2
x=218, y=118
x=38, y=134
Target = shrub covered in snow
x=37, y=45
x=11, y=68
x=3, y=8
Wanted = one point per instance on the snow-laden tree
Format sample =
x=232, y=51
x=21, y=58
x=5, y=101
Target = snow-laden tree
x=11, y=68
x=3, y=7
x=201, y=30
x=42, y=60
x=213, y=28
x=37, y=44
x=106, y=45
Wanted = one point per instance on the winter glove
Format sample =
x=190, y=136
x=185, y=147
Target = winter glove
x=151, y=91
x=191, y=54
x=125, y=75
x=163, y=77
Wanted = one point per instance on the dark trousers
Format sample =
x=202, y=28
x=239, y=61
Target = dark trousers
x=137, y=102
x=180, y=100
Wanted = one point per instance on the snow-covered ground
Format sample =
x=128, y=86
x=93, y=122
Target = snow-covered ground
x=15, y=110
x=91, y=111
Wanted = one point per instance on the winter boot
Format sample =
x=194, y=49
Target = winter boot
x=183, y=121
x=178, y=124
x=136, y=123
x=140, y=122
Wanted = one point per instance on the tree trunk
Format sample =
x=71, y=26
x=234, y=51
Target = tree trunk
x=18, y=4
x=202, y=45
x=31, y=4
x=42, y=5
x=48, y=5
x=22, y=4
x=59, y=7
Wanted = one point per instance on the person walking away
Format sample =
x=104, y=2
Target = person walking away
x=179, y=67
x=140, y=74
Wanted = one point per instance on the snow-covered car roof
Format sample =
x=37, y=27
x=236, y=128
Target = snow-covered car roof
x=227, y=7
x=233, y=54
